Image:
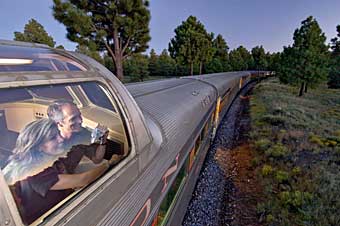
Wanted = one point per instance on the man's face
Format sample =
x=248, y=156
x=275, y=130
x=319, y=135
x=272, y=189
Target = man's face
x=72, y=121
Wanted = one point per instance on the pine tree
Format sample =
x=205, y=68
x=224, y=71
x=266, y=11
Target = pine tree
x=259, y=56
x=236, y=61
x=240, y=59
x=274, y=60
x=220, y=60
x=334, y=75
x=121, y=27
x=247, y=58
x=34, y=32
x=306, y=62
x=205, y=50
x=191, y=44
x=221, y=48
x=153, y=61
x=166, y=66
x=136, y=67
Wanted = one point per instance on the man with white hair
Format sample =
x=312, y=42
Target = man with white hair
x=69, y=121
x=68, y=118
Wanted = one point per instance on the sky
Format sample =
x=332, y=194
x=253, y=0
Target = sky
x=270, y=23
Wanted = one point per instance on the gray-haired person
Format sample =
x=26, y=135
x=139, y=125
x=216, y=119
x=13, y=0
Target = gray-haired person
x=69, y=120
x=41, y=174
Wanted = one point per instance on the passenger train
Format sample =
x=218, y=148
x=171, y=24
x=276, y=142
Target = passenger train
x=158, y=134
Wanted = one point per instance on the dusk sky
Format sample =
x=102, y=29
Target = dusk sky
x=270, y=23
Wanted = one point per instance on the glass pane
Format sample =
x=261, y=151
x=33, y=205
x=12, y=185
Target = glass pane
x=96, y=95
x=17, y=58
x=46, y=141
x=51, y=92
x=171, y=195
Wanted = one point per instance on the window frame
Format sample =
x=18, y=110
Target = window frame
x=178, y=192
x=73, y=201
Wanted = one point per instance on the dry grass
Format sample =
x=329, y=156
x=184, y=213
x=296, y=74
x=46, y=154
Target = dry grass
x=298, y=141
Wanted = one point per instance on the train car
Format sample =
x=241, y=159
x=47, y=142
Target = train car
x=156, y=135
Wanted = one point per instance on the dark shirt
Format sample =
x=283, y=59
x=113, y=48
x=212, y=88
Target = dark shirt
x=33, y=195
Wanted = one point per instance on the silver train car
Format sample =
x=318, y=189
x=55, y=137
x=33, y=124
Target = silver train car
x=157, y=137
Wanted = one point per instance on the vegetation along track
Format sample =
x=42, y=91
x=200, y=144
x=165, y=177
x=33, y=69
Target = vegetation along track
x=285, y=171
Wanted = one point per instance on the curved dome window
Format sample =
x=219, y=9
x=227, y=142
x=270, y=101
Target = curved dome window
x=18, y=58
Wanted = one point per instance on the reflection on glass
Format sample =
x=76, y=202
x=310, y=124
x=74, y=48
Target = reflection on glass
x=46, y=151
x=18, y=58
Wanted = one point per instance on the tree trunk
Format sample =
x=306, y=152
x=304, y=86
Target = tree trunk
x=118, y=51
x=302, y=89
x=201, y=64
x=306, y=87
x=191, y=68
x=119, y=67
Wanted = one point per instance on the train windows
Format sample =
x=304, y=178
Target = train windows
x=206, y=129
x=20, y=58
x=199, y=140
x=198, y=143
x=192, y=158
x=95, y=94
x=55, y=140
x=169, y=200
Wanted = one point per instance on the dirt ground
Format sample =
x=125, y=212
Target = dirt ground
x=242, y=190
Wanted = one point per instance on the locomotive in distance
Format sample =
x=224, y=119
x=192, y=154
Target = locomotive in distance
x=80, y=148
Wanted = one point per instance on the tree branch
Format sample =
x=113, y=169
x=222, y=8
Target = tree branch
x=108, y=47
x=106, y=43
x=126, y=44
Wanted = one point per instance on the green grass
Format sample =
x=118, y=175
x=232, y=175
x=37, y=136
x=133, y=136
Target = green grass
x=297, y=143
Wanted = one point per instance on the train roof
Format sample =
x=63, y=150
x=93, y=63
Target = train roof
x=177, y=105
x=220, y=80
x=149, y=87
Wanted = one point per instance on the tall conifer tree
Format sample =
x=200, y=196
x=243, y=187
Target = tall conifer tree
x=191, y=44
x=306, y=62
x=34, y=32
x=121, y=27
x=334, y=76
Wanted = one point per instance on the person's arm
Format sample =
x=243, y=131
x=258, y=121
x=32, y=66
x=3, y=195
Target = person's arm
x=67, y=181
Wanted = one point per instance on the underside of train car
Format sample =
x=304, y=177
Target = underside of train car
x=158, y=134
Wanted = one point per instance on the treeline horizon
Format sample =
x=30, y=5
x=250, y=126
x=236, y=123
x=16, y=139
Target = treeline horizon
x=140, y=66
x=116, y=33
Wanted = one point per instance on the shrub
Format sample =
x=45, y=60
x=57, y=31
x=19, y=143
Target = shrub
x=337, y=150
x=295, y=200
x=337, y=133
x=316, y=140
x=266, y=170
x=269, y=218
x=275, y=120
x=265, y=132
x=262, y=144
x=330, y=143
x=281, y=176
x=334, y=138
x=277, y=151
x=296, y=171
